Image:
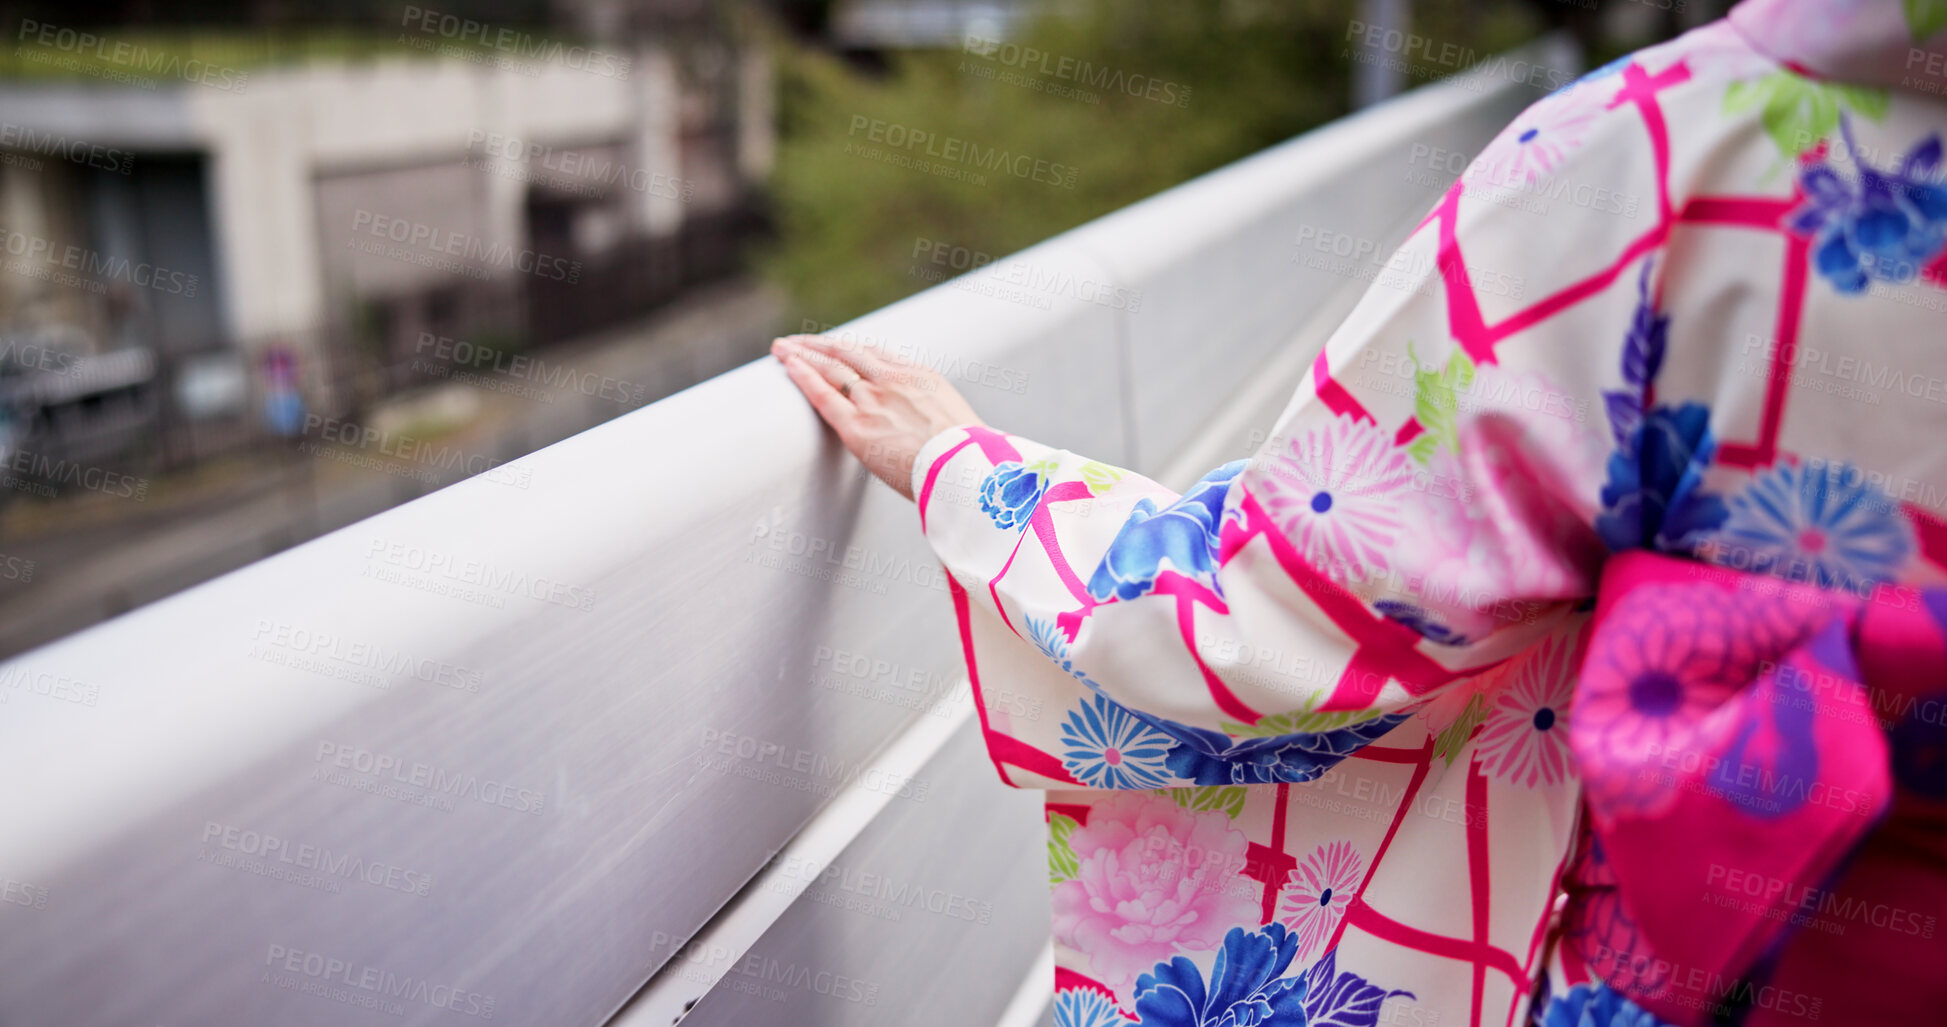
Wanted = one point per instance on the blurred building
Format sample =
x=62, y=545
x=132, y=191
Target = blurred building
x=244, y=227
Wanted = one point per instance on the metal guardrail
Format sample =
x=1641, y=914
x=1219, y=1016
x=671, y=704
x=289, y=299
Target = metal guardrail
x=676, y=701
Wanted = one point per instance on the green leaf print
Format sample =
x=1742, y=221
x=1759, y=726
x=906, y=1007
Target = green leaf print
x=1063, y=864
x=1099, y=477
x=1447, y=745
x=1229, y=799
x=1925, y=17
x=1798, y=113
x=1436, y=403
x=1304, y=719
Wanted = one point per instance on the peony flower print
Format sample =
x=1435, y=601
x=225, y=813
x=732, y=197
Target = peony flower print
x=1154, y=878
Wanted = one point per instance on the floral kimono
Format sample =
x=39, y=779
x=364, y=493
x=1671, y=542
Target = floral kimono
x=1567, y=657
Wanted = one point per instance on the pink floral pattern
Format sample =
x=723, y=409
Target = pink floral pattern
x=1525, y=739
x=1317, y=892
x=1419, y=542
x=1336, y=494
x=1155, y=878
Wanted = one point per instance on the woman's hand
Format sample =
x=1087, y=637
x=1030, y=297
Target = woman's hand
x=883, y=408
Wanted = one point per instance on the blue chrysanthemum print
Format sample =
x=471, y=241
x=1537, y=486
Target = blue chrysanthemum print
x=1083, y=1007
x=1815, y=522
x=1010, y=492
x=1106, y=746
x=1593, y=1005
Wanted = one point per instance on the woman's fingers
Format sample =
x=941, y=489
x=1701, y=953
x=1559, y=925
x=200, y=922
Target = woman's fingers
x=836, y=409
x=868, y=362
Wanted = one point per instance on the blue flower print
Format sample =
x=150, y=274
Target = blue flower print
x=1084, y=1007
x=1247, y=988
x=1884, y=228
x=1334, y=999
x=1201, y=755
x=1816, y=522
x=1106, y=746
x=1425, y=624
x=1211, y=758
x=1654, y=496
x=1183, y=534
x=1594, y=1005
x=1010, y=492
x=1642, y=359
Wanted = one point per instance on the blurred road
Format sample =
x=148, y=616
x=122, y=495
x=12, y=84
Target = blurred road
x=94, y=556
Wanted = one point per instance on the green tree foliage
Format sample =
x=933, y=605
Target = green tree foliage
x=1123, y=97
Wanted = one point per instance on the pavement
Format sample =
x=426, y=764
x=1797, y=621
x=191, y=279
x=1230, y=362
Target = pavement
x=83, y=556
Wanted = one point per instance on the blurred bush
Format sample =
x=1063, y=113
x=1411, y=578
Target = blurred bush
x=1255, y=72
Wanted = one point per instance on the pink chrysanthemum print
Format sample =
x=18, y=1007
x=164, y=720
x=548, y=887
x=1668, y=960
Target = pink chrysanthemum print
x=1533, y=147
x=1336, y=492
x=1317, y=892
x=1666, y=657
x=1525, y=740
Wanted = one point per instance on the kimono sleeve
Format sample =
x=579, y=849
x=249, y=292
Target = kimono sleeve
x=1425, y=508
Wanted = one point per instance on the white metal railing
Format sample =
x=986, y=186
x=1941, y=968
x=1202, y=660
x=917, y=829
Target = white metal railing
x=656, y=715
